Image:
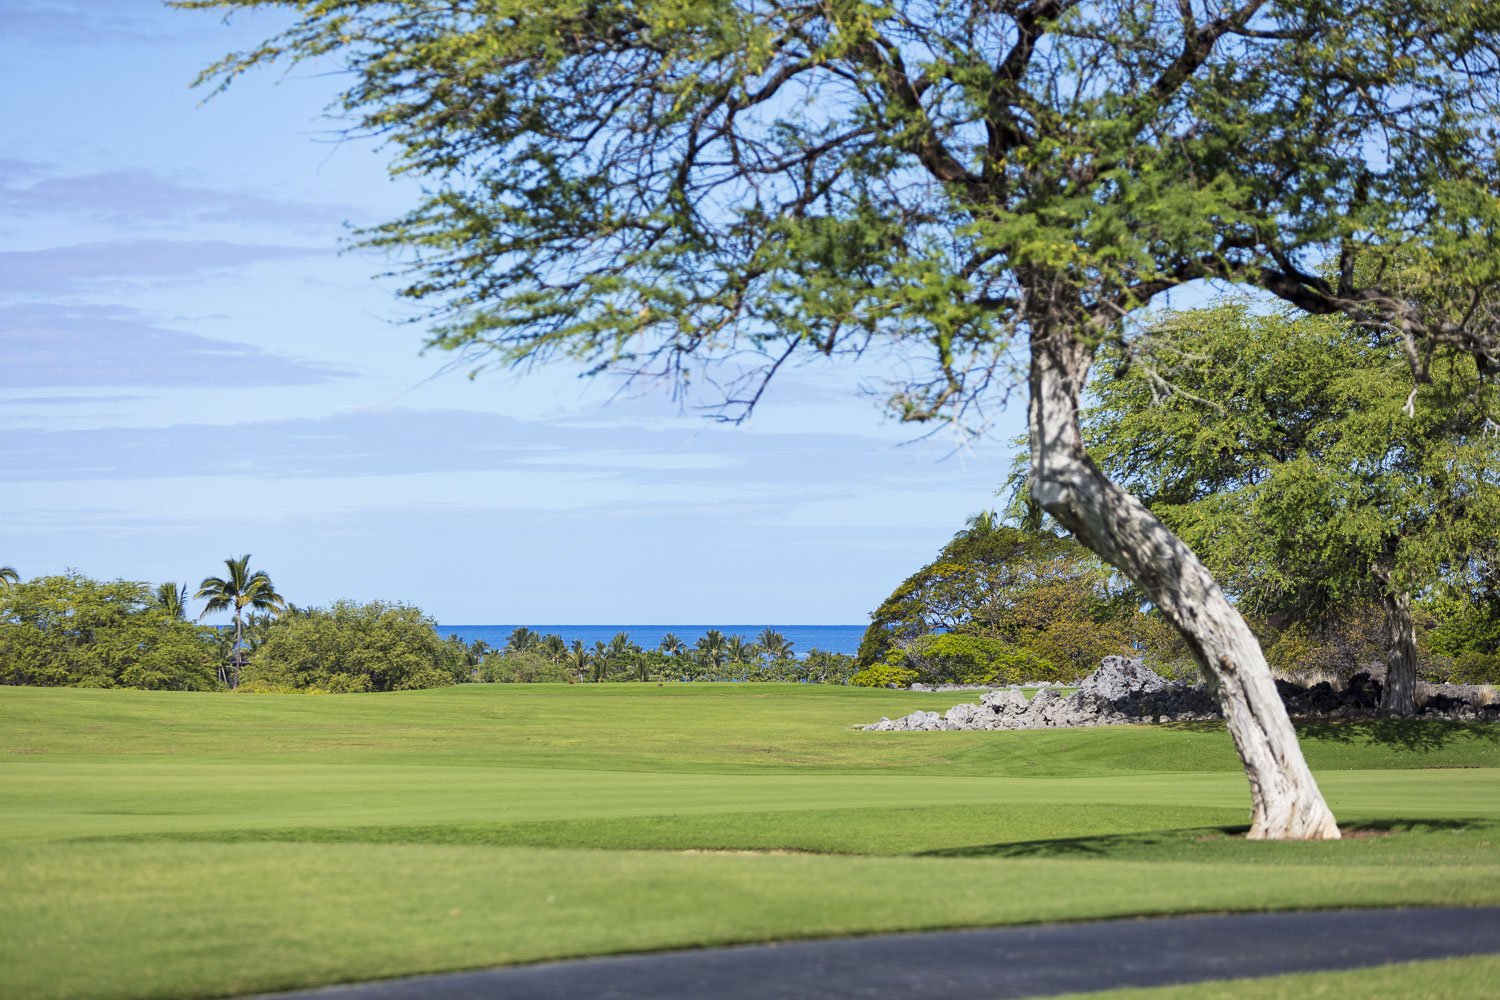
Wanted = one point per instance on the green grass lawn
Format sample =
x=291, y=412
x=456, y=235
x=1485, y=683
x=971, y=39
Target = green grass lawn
x=180, y=845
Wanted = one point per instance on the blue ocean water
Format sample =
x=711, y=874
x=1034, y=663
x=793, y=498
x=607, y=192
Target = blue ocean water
x=829, y=638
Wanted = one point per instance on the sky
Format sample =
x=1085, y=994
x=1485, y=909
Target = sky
x=192, y=368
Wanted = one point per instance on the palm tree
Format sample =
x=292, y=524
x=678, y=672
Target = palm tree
x=241, y=589
x=775, y=644
x=553, y=647
x=738, y=651
x=8, y=577
x=671, y=645
x=172, y=598
x=578, y=658
x=711, y=649
x=523, y=640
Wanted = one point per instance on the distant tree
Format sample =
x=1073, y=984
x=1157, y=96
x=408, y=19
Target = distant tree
x=579, y=659
x=599, y=661
x=672, y=645
x=712, y=650
x=1024, y=596
x=350, y=647
x=234, y=592
x=738, y=652
x=1292, y=453
x=553, y=648
x=172, y=598
x=73, y=631
x=523, y=640
x=774, y=644
x=8, y=576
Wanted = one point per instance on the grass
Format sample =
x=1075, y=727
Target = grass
x=1472, y=978
x=172, y=845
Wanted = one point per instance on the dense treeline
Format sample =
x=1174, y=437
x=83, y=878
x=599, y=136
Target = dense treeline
x=73, y=631
x=532, y=656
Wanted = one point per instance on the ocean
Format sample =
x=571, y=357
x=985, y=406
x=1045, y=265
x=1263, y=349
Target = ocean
x=829, y=638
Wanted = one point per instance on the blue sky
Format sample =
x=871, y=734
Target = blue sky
x=190, y=369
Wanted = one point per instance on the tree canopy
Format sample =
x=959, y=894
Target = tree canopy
x=74, y=631
x=1288, y=451
x=999, y=603
x=355, y=647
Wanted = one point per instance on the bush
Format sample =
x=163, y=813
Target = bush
x=76, y=632
x=522, y=668
x=353, y=647
x=884, y=675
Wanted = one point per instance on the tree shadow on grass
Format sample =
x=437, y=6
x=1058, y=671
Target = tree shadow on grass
x=1403, y=734
x=1167, y=844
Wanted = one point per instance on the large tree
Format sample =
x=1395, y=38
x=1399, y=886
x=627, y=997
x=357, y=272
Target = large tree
x=641, y=185
x=1286, y=448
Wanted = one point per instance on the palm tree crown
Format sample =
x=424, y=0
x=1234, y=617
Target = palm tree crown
x=8, y=577
x=172, y=598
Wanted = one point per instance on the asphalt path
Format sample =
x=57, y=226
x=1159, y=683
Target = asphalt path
x=976, y=964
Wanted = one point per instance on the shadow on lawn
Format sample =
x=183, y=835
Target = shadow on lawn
x=1404, y=734
x=1168, y=844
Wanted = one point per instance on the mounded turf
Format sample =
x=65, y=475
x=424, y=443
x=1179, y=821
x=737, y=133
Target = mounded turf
x=195, y=845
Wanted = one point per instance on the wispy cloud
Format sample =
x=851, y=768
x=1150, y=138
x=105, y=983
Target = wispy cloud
x=69, y=268
x=49, y=346
x=142, y=197
x=74, y=22
x=394, y=442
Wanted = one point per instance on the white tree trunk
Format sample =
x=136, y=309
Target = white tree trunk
x=1285, y=801
x=1400, y=692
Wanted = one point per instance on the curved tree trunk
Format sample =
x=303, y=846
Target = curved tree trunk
x=1285, y=801
x=1400, y=692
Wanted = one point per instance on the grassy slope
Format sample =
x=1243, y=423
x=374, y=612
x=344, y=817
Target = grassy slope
x=178, y=845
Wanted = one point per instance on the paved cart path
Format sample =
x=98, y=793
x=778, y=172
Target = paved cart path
x=976, y=964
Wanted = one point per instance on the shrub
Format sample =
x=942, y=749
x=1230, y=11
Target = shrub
x=351, y=647
x=522, y=668
x=73, y=631
x=884, y=675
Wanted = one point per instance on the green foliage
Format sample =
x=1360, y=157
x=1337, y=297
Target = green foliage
x=998, y=598
x=884, y=675
x=1280, y=448
x=653, y=182
x=73, y=631
x=355, y=647
x=523, y=668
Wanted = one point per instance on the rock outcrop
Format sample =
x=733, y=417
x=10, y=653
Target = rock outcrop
x=1125, y=691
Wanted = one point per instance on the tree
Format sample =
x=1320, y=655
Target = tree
x=351, y=647
x=672, y=645
x=579, y=659
x=999, y=601
x=712, y=649
x=523, y=640
x=553, y=648
x=239, y=590
x=172, y=598
x=1287, y=448
x=775, y=645
x=8, y=577
x=74, y=631
x=653, y=184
